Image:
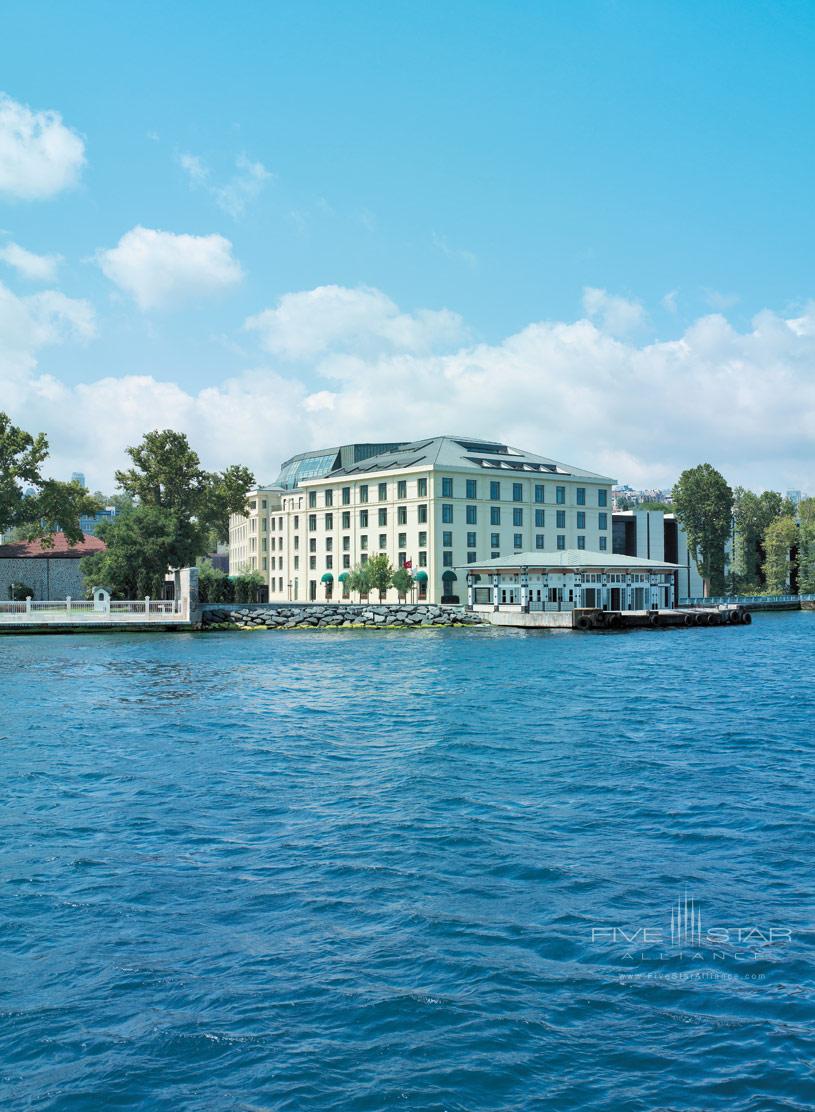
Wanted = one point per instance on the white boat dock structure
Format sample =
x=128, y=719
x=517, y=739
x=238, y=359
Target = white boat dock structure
x=579, y=589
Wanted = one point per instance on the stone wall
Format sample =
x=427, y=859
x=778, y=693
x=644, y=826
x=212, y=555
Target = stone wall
x=48, y=578
x=281, y=615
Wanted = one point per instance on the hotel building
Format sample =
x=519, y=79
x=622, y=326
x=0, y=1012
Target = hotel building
x=434, y=505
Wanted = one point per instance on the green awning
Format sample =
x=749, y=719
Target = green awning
x=448, y=576
x=420, y=577
x=327, y=577
x=343, y=576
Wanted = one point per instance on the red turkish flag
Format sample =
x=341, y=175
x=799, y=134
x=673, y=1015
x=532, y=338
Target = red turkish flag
x=407, y=564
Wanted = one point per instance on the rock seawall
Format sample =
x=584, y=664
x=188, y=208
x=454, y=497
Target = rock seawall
x=339, y=616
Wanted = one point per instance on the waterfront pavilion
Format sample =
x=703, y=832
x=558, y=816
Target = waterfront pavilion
x=571, y=579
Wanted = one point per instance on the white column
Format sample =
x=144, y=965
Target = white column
x=525, y=589
x=495, y=592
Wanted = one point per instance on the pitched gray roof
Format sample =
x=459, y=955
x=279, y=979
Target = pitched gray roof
x=465, y=453
x=570, y=558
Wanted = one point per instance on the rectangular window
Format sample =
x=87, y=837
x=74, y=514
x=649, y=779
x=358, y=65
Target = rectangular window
x=383, y=540
x=296, y=562
x=312, y=562
x=540, y=492
x=581, y=496
x=363, y=541
x=470, y=557
x=363, y=493
x=495, y=515
x=602, y=497
x=346, y=561
x=447, y=559
x=517, y=516
x=560, y=495
x=561, y=519
x=346, y=519
x=346, y=496
x=312, y=522
x=581, y=519
x=472, y=488
x=312, y=499
x=401, y=559
x=329, y=498
x=363, y=559
x=422, y=513
x=329, y=544
x=602, y=521
x=363, y=519
x=517, y=492
x=494, y=555
x=518, y=540
x=603, y=544
x=539, y=541
x=296, y=543
x=346, y=544
x=383, y=492
x=495, y=540
x=401, y=488
x=447, y=539
x=471, y=541
x=423, y=539
x=296, y=522
x=540, y=518
x=581, y=542
x=329, y=521
x=401, y=515
x=561, y=541
x=402, y=541
x=495, y=491
x=422, y=559
x=383, y=516
x=447, y=513
x=329, y=561
x=312, y=544
x=421, y=488
x=471, y=514
x=447, y=488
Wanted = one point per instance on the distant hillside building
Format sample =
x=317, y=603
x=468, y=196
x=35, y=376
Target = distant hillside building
x=48, y=573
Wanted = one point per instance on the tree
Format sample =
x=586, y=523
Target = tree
x=36, y=506
x=752, y=515
x=179, y=504
x=380, y=573
x=359, y=580
x=780, y=540
x=135, y=561
x=214, y=585
x=402, y=580
x=247, y=585
x=806, y=547
x=703, y=504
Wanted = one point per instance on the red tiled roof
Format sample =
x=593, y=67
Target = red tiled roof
x=61, y=550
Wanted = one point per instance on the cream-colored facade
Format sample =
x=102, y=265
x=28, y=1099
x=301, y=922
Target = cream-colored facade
x=435, y=505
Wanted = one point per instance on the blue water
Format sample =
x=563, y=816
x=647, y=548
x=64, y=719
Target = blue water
x=363, y=871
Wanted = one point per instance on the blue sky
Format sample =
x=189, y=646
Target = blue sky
x=494, y=161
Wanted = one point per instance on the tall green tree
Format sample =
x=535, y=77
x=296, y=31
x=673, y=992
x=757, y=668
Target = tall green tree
x=178, y=504
x=36, y=506
x=780, y=541
x=752, y=515
x=380, y=573
x=806, y=547
x=359, y=580
x=402, y=581
x=703, y=505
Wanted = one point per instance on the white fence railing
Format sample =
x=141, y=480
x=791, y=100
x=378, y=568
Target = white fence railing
x=68, y=610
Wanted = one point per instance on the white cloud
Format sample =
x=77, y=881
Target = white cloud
x=39, y=155
x=721, y=301
x=234, y=195
x=37, y=268
x=362, y=320
x=616, y=315
x=160, y=269
x=742, y=400
x=457, y=254
x=668, y=302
